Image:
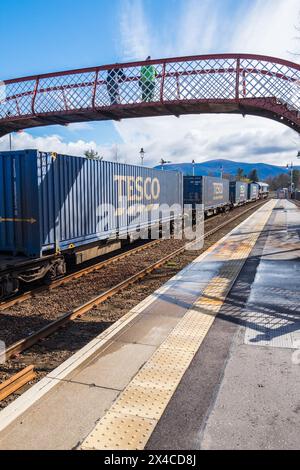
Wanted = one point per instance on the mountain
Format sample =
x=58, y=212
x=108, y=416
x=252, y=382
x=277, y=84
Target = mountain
x=213, y=168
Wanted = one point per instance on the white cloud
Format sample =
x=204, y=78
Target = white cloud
x=208, y=137
x=268, y=29
x=180, y=140
x=134, y=30
x=198, y=30
x=80, y=126
x=52, y=143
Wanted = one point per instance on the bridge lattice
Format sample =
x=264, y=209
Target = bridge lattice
x=230, y=83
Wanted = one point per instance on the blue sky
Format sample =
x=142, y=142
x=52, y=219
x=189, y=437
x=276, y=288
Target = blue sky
x=65, y=34
x=45, y=36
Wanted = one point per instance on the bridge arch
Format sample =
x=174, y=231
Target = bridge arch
x=223, y=83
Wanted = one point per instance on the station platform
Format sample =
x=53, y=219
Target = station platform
x=209, y=361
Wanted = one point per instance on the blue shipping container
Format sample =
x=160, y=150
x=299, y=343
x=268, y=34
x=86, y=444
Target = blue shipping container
x=210, y=191
x=55, y=202
x=253, y=191
x=238, y=192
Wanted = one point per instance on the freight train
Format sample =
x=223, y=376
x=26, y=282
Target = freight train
x=219, y=195
x=57, y=209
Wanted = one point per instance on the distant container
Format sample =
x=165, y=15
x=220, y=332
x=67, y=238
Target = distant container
x=210, y=191
x=253, y=191
x=52, y=203
x=263, y=190
x=238, y=192
x=282, y=193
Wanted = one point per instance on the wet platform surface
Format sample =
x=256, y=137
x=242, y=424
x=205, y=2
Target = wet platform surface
x=224, y=332
x=242, y=390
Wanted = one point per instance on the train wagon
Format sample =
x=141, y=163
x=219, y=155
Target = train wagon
x=253, y=192
x=211, y=192
x=238, y=191
x=54, y=206
x=263, y=190
x=282, y=193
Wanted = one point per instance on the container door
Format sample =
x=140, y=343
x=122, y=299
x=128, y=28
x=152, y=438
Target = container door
x=19, y=208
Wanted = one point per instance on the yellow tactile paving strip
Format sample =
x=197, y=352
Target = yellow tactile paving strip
x=130, y=421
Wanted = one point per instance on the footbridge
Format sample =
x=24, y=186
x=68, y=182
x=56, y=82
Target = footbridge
x=224, y=83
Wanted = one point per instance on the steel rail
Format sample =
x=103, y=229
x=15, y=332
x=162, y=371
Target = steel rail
x=26, y=343
x=17, y=381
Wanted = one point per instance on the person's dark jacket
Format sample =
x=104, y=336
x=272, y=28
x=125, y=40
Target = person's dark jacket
x=115, y=76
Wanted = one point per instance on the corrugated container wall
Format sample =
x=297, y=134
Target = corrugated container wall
x=238, y=192
x=253, y=191
x=54, y=202
x=210, y=191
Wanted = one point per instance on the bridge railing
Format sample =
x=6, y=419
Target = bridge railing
x=226, y=77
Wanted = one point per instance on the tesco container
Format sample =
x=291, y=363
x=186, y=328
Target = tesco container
x=55, y=202
x=238, y=192
x=212, y=192
x=253, y=191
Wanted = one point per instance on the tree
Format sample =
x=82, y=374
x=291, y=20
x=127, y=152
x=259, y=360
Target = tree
x=92, y=155
x=297, y=37
x=296, y=179
x=239, y=174
x=279, y=182
x=253, y=175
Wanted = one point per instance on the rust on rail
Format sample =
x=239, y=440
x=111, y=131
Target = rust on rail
x=16, y=382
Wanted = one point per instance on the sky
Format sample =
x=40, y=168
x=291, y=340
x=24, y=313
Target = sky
x=39, y=37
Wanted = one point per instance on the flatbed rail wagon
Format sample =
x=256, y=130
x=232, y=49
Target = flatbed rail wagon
x=57, y=207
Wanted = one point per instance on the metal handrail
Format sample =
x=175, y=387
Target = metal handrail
x=205, y=78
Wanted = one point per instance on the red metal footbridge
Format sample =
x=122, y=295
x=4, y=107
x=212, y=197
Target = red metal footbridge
x=227, y=83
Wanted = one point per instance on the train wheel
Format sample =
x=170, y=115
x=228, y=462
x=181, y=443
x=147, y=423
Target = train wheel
x=8, y=286
x=57, y=269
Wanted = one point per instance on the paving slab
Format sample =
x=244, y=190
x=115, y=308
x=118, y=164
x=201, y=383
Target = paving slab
x=115, y=366
x=53, y=423
x=258, y=404
x=150, y=329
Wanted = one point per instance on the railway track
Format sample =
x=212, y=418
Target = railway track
x=16, y=382
x=22, y=345
x=76, y=275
